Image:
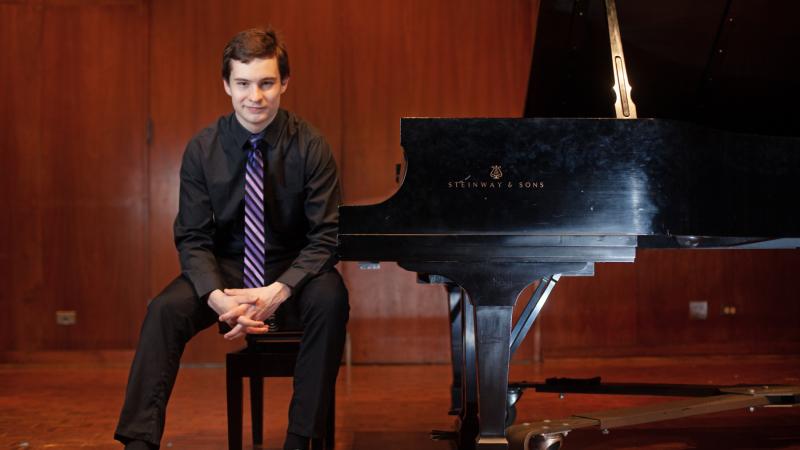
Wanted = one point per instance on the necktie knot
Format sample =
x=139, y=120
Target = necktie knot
x=255, y=139
x=254, y=155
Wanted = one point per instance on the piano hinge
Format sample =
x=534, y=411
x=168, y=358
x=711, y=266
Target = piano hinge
x=624, y=106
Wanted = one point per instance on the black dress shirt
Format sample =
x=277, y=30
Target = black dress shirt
x=301, y=196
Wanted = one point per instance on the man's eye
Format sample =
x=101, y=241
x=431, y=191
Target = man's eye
x=241, y=83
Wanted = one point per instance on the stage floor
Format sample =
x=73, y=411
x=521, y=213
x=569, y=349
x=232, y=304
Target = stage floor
x=75, y=405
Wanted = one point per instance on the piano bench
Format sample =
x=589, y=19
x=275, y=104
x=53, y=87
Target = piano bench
x=268, y=355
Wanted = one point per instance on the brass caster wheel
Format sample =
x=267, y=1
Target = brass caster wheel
x=546, y=442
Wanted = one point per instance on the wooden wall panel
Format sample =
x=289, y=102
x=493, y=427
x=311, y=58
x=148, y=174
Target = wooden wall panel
x=417, y=58
x=760, y=284
x=94, y=168
x=592, y=312
x=20, y=156
x=643, y=308
x=79, y=191
x=186, y=90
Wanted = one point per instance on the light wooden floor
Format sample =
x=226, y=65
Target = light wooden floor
x=75, y=405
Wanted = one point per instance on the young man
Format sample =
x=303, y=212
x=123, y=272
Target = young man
x=256, y=233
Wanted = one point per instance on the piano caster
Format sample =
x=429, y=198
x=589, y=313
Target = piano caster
x=511, y=415
x=512, y=396
x=547, y=442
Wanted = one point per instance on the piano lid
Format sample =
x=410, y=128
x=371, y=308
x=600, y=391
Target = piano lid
x=728, y=64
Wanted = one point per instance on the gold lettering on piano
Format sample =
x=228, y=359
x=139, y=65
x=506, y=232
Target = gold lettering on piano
x=495, y=185
x=496, y=173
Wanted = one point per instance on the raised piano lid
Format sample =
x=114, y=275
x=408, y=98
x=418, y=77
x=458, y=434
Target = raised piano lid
x=729, y=64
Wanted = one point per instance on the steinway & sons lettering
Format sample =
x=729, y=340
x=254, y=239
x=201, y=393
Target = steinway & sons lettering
x=495, y=184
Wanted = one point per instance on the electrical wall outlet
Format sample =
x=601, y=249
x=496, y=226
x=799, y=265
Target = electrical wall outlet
x=698, y=310
x=66, y=317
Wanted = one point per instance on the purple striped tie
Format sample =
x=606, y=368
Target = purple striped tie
x=254, y=232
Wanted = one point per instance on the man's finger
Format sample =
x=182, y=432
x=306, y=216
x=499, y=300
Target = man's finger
x=246, y=299
x=233, y=313
x=248, y=322
x=236, y=332
x=231, y=337
x=235, y=291
x=230, y=315
x=263, y=313
x=240, y=298
x=258, y=330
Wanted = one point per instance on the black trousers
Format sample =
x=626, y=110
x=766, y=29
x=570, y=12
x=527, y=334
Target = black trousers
x=176, y=314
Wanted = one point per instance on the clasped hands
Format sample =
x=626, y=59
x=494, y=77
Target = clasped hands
x=246, y=309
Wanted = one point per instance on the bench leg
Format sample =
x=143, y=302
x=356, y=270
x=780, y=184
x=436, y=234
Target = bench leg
x=234, y=397
x=257, y=408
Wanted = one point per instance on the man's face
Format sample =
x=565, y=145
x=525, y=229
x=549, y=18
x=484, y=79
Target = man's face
x=255, y=89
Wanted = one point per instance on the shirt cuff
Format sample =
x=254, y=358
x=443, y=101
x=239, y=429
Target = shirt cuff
x=206, y=283
x=293, y=277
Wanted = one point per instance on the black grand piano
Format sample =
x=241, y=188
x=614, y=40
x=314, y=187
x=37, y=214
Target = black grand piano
x=489, y=206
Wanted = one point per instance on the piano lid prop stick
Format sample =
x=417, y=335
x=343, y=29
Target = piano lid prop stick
x=624, y=106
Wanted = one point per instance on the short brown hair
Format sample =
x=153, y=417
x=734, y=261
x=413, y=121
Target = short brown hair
x=255, y=43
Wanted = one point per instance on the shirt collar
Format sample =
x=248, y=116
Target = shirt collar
x=272, y=133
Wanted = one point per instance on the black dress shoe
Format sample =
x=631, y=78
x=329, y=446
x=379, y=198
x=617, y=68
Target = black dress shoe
x=295, y=442
x=140, y=445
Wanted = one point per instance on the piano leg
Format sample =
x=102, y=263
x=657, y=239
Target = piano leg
x=468, y=418
x=492, y=292
x=464, y=387
x=493, y=337
x=455, y=301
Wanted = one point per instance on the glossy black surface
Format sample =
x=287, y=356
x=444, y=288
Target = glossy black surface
x=588, y=187
x=730, y=64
